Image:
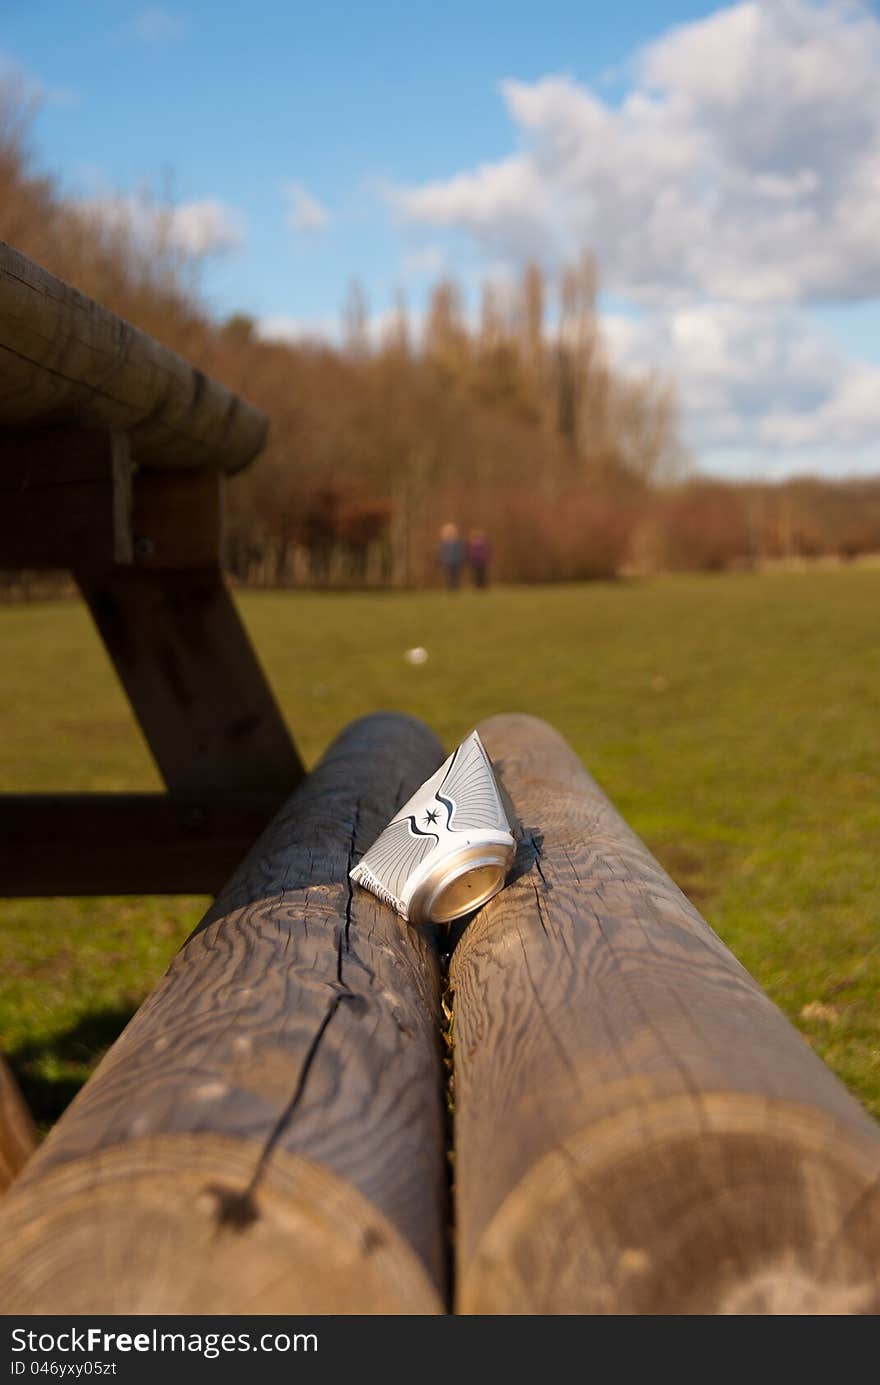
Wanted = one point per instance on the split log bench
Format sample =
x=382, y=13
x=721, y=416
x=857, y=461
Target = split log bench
x=636, y=1128
x=113, y=459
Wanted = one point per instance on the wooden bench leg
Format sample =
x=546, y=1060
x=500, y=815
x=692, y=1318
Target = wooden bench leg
x=18, y=1137
x=267, y=1135
x=637, y=1129
x=146, y=550
x=191, y=675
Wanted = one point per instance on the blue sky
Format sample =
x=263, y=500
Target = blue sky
x=718, y=159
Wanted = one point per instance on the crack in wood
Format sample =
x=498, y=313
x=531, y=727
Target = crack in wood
x=237, y=1210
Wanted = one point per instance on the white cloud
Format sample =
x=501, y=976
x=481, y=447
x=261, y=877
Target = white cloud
x=756, y=378
x=205, y=228
x=285, y=327
x=305, y=213
x=743, y=163
x=503, y=204
x=154, y=24
x=732, y=190
x=193, y=229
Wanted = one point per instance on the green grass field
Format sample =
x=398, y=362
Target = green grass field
x=735, y=721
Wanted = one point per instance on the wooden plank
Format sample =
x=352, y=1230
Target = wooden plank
x=193, y=679
x=66, y=359
x=64, y=493
x=267, y=1135
x=177, y=519
x=637, y=1128
x=18, y=1136
x=39, y=458
x=86, y=844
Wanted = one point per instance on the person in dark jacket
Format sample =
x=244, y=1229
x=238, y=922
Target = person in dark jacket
x=451, y=555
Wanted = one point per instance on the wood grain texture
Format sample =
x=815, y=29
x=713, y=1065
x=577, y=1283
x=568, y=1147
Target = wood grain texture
x=299, y=1022
x=637, y=1128
x=66, y=359
x=64, y=493
x=193, y=679
x=319, y=1246
x=76, y=844
x=18, y=1136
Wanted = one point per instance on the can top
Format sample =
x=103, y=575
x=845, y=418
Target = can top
x=460, y=883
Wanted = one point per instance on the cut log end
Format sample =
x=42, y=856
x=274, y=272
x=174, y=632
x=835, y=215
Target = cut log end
x=728, y=1205
x=18, y=1136
x=178, y=1225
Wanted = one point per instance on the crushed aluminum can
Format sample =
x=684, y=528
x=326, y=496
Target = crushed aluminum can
x=450, y=847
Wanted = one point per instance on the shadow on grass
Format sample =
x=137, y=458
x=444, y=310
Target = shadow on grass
x=51, y=1071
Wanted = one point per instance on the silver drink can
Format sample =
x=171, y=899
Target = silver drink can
x=449, y=849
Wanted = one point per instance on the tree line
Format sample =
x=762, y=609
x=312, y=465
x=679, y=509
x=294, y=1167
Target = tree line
x=515, y=423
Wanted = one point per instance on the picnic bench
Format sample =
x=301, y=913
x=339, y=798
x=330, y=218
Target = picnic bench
x=575, y=1101
x=114, y=459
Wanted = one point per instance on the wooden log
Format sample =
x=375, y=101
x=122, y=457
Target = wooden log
x=108, y=843
x=64, y=492
x=18, y=1136
x=637, y=1128
x=66, y=359
x=267, y=1135
x=193, y=679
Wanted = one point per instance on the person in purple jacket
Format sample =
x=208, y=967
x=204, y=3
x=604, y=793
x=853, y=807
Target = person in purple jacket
x=478, y=557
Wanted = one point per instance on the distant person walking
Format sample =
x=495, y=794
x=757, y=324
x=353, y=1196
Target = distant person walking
x=478, y=557
x=452, y=555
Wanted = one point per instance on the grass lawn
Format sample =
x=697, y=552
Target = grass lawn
x=735, y=721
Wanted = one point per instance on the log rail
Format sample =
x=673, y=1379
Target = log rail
x=67, y=361
x=638, y=1128
x=267, y=1135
